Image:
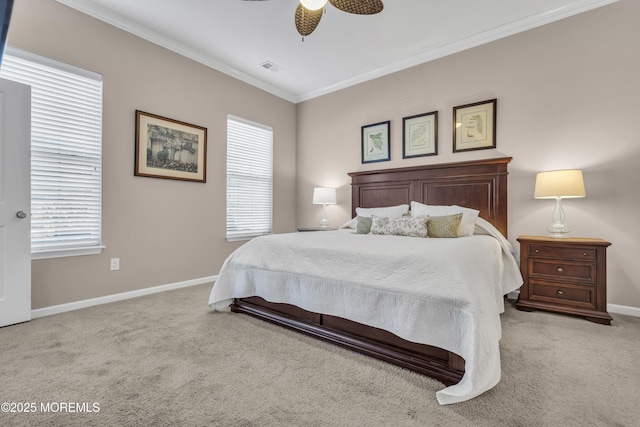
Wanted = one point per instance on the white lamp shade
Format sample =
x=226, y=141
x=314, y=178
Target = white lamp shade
x=324, y=196
x=313, y=4
x=561, y=183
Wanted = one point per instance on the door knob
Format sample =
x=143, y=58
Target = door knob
x=22, y=214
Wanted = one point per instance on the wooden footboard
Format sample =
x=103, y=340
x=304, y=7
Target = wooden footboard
x=434, y=362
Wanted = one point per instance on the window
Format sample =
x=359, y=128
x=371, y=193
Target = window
x=66, y=153
x=249, y=178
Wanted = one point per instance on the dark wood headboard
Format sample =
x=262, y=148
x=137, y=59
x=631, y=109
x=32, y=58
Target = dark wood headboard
x=477, y=184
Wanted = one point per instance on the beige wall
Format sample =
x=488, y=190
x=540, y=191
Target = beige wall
x=163, y=231
x=568, y=97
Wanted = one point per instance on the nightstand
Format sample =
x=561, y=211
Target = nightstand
x=315, y=229
x=565, y=276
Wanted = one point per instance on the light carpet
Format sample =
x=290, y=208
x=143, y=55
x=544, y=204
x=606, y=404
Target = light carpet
x=167, y=360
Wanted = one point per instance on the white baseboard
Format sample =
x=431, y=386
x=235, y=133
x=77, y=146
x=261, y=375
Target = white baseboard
x=63, y=308
x=611, y=308
x=623, y=309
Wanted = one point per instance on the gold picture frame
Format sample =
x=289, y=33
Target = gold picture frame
x=170, y=149
x=474, y=126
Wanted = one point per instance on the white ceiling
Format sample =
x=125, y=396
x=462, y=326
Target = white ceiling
x=237, y=36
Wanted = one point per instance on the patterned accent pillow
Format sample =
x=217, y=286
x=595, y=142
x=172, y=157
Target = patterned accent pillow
x=444, y=226
x=363, y=224
x=412, y=226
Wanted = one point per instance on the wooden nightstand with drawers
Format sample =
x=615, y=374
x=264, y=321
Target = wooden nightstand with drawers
x=565, y=276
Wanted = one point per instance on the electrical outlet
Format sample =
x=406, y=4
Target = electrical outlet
x=115, y=264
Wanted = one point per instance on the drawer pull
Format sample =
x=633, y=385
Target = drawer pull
x=537, y=251
x=584, y=254
x=560, y=293
x=560, y=270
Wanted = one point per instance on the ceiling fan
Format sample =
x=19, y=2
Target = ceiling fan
x=309, y=12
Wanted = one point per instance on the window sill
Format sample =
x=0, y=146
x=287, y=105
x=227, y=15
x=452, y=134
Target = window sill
x=61, y=253
x=239, y=238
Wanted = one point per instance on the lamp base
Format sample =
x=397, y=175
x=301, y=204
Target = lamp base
x=324, y=222
x=558, y=231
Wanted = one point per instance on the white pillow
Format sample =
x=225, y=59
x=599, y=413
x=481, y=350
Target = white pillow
x=467, y=225
x=389, y=211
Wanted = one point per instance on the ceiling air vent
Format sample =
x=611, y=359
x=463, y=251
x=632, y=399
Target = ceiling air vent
x=268, y=65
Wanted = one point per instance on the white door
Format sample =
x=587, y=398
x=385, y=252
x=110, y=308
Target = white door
x=15, y=192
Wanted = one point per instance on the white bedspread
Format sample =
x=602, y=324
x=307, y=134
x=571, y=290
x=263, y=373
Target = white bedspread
x=442, y=292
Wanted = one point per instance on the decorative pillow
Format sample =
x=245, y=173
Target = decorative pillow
x=467, y=224
x=363, y=224
x=389, y=211
x=444, y=226
x=412, y=226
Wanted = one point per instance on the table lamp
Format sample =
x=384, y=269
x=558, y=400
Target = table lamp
x=324, y=196
x=559, y=184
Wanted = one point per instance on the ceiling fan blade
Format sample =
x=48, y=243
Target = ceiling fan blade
x=359, y=7
x=307, y=20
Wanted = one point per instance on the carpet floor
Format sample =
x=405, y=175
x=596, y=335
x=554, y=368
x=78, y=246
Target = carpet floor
x=167, y=360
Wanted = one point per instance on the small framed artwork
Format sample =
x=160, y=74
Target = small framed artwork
x=375, y=142
x=474, y=126
x=167, y=148
x=420, y=135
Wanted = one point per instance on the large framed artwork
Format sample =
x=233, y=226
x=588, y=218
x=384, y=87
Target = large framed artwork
x=375, y=142
x=170, y=149
x=474, y=126
x=420, y=135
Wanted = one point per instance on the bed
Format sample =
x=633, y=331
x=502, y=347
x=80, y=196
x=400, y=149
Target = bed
x=451, y=334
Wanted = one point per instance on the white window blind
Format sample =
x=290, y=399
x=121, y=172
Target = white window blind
x=249, y=178
x=66, y=153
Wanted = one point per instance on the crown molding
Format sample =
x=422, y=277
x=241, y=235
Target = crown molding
x=493, y=34
x=502, y=31
x=145, y=33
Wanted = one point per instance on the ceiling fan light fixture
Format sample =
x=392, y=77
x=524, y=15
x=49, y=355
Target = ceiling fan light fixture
x=313, y=4
x=309, y=12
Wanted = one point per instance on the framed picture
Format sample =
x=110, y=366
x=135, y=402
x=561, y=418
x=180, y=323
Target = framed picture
x=167, y=148
x=375, y=142
x=474, y=126
x=420, y=135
